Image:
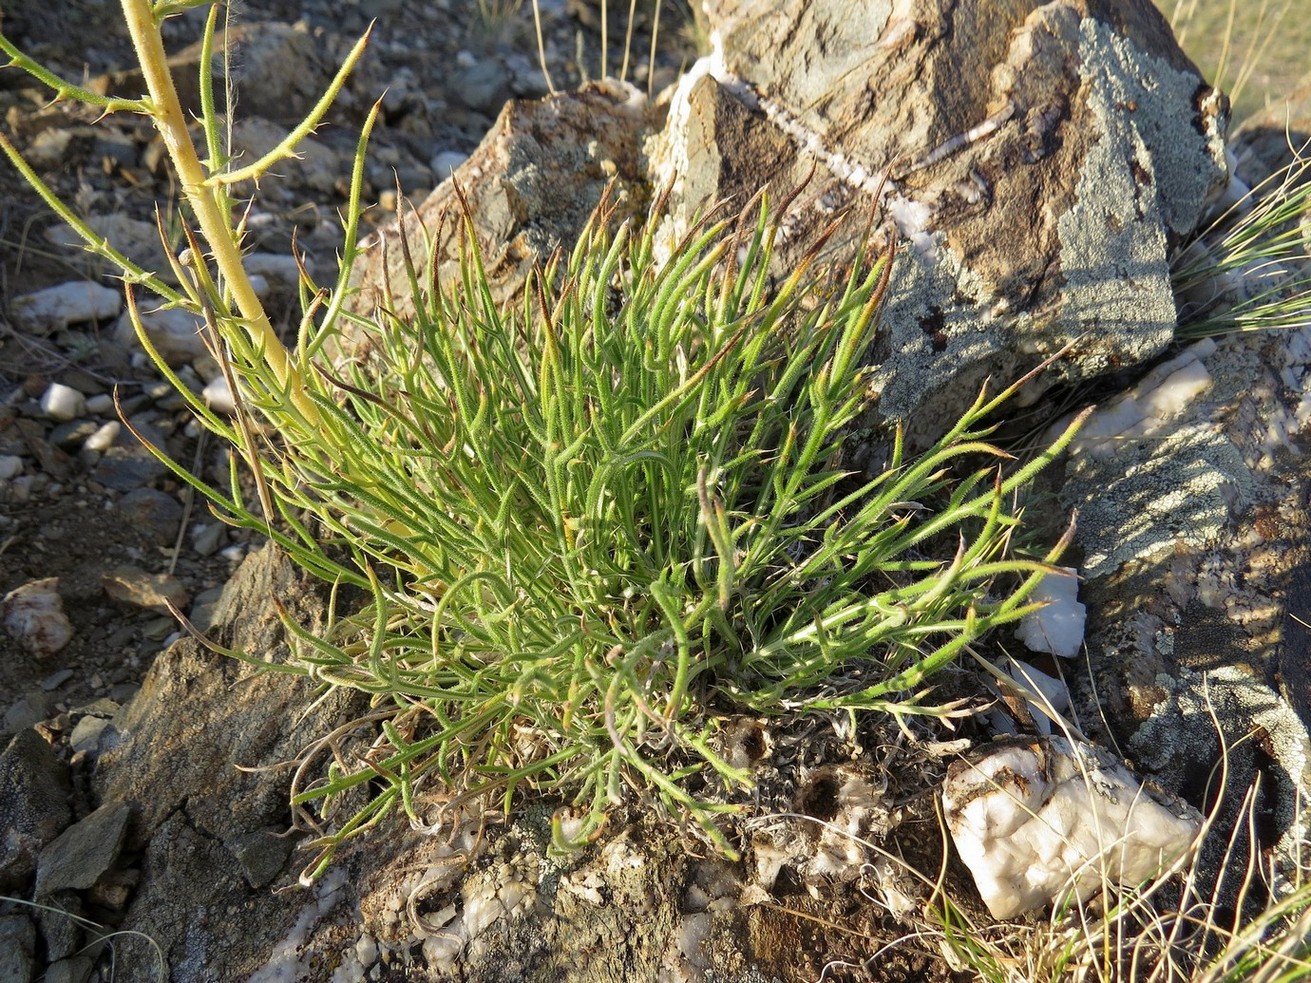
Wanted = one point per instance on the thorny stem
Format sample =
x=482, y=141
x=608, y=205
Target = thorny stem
x=212, y=216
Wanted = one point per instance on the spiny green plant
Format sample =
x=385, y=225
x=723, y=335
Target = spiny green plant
x=569, y=537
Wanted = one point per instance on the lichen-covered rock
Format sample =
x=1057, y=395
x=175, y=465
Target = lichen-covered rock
x=1194, y=537
x=1036, y=162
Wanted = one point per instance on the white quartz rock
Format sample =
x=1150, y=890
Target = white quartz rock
x=34, y=615
x=218, y=396
x=69, y=303
x=1036, y=817
x=1147, y=410
x=1056, y=628
x=60, y=402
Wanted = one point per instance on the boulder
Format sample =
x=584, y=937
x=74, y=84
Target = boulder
x=530, y=187
x=1193, y=531
x=34, y=805
x=1035, y=161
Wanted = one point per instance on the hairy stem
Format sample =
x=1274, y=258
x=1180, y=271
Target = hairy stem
x=212, y=216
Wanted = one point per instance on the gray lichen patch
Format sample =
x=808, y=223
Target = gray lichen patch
x=1155, y=495
x=941, y=338
x=1135, y=92
x=1181, y=744
x=1132, y=189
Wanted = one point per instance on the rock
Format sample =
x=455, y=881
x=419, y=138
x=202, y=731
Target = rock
x=1038, y=165
x=34, y=806
x=206, y=855
x=1035, y=818
x=56, y=308
x=126, y=467
x=17, y=949
x=315, y=166
x=280, y=71
x=85, y=737
x=480, y=85
x=101, y=404
x=34, y=615
x=57, y=921
x=56, y=680
x=11, y=466
x=131, y=585
x=71, y=433
x=1058, y=627
x=27, y=711
x=218, y=396
x=50, y=148
x=60, y=402
x=104, y=437
x=1193, y=533
x=155, y=514
x=83, y=852
x=134, y=238
x=261, y=853
x=445, y=163
x=531, y=185
x=75, y=970
x=175, y=333
x=274, y=267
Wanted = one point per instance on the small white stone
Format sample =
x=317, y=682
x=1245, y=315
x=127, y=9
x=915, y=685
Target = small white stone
x=443, y=165
x=234, y=553
x=100, y=404
x=1058, y=627
x=104, y=437
x=69, y=303
x=11, y=466
x=1035, y=818
x=34, y=615
x=61, y=402
x=218, y=397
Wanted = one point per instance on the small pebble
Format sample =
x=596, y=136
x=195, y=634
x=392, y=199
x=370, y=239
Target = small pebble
x=131, y=585
x=234, y=554
x=100, y=404
x=104, y=437
x=218, y=397
x=56, y=680
x=69, y=303
x=34, y=616
x=445, y=163
x=175, y=333
x=60, y=402
x=207, y=538
x=86, y=734
x=28, y=711
x=11, y=466
x=72, y=433
x=274, y=266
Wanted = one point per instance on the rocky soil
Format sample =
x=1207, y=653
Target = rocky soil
x=97, y=537
x=96, y=532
